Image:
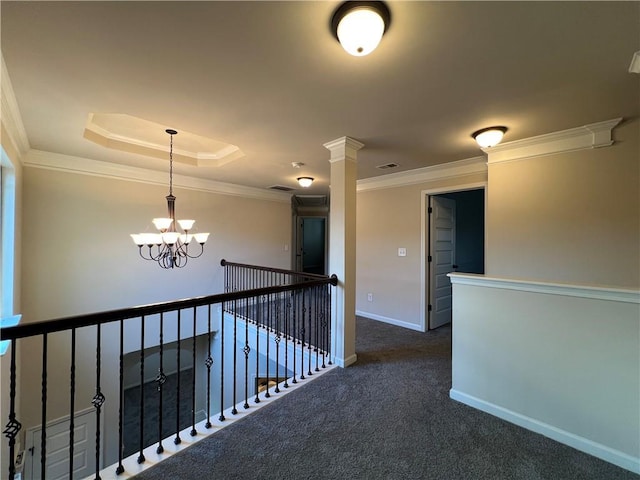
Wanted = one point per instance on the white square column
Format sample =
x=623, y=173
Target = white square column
x=342, y=247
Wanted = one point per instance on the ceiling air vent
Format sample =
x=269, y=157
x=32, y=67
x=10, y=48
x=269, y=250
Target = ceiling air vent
x=386, y=166
x=282, y=188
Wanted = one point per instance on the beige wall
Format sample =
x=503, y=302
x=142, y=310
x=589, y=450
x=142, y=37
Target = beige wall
x=562, y=362
x=571, y=218
x=81, y=259
x=389, y=218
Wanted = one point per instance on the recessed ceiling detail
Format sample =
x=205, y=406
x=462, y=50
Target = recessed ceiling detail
x=135, y=135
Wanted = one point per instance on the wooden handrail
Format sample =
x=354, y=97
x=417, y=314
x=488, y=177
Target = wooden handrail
x=224, y=263
x=86, y=320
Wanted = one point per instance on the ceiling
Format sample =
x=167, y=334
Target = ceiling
x=270, y=79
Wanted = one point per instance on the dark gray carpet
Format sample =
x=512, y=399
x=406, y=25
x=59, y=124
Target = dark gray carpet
x=131, y=424
x=387, y=417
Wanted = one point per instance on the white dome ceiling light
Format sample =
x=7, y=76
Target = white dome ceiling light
x=359, y=26
x=305, y=182
x=489, y=137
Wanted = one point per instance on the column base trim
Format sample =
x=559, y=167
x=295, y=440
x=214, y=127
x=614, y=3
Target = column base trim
x=345, y=362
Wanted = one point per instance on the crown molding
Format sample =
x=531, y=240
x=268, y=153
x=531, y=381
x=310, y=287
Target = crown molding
x=594, y=135
x=459, y=168
x=10, y=114
x=84, y=166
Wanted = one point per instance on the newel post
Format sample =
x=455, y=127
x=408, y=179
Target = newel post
x=342, y=247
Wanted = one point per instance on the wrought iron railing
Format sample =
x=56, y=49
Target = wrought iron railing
x=273, y=320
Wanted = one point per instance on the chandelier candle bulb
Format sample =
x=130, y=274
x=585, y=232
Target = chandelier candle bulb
x=172, y=247
x=138, y=239
x=170, y=238
x=186, y=224
x=162, y=223
x=201, y=238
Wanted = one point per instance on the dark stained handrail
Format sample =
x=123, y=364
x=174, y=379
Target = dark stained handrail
x=99, y=318
x=224, y=263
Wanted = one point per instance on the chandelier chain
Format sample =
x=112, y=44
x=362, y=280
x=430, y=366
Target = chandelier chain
x=171, y=166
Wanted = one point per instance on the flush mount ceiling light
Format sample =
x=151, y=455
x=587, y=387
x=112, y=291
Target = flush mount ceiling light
x=489, y=137
x=171, y=246
x=305, y=181
x=359, y=26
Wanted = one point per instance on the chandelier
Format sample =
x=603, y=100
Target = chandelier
x=169, y=247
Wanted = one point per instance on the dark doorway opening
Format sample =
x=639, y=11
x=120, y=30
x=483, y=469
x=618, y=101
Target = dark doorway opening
x=469, y=242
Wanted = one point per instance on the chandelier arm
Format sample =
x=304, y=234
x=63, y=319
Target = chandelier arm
x=199, y=254
x=150, y=254
x=159, y=255
x=142, y=254
x=166, y=259
x=181, y=261
x=181, y=248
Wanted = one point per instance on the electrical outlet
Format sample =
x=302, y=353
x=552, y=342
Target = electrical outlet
x=370, y=297
x=402, y=252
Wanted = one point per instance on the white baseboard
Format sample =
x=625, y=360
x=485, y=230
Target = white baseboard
x=585, y=445
x=345, y=362
x=392, y=321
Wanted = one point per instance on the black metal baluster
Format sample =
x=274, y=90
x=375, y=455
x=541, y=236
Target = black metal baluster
x=258, y=313
x=72, y=399
x=120, y=467
x=277, y=340
x=310, y=308
x=141, y=458
x=323, y=323
x=246, y=351
x=193, y=432
x=221, y=417
x=268, y=321
x=161, y=378
x=328, y=320
x=208, y=362
x=316, y=323
x=302, y=332
x=178, y=440
x=287, y=318
x=234, y=411
x=279, y=299
x=293, y=332
x=13, y=425
x=43, y=436
x=98, y=399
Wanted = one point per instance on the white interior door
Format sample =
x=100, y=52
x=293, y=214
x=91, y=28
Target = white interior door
x=57, y=457
x=442, y=238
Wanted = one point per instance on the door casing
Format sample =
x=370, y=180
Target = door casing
x=424, y=240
